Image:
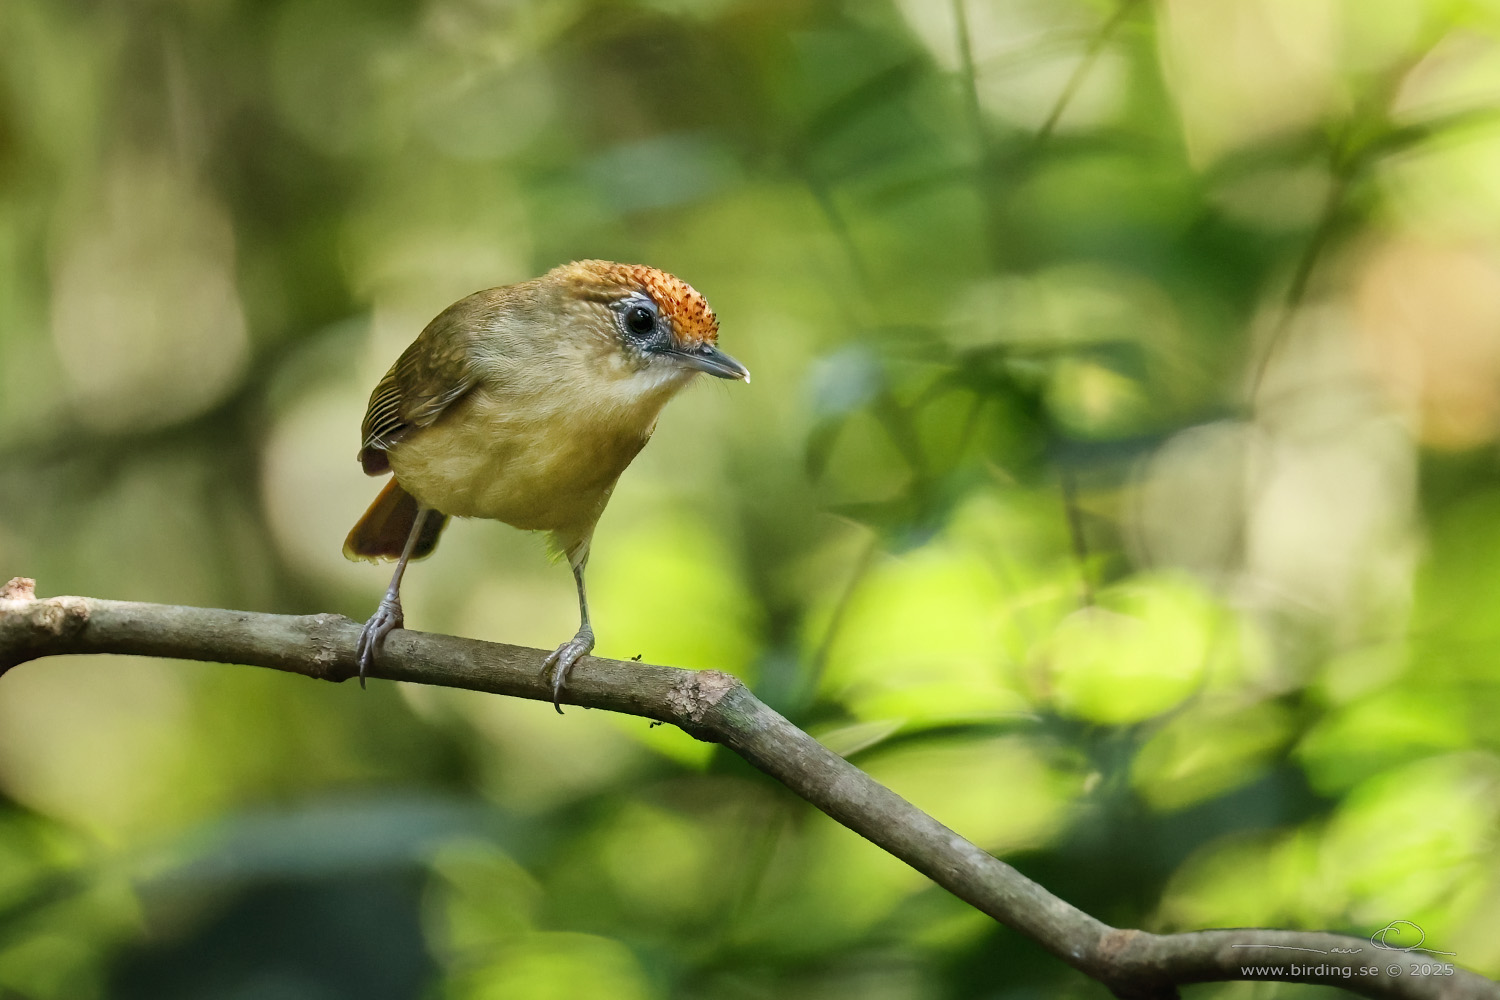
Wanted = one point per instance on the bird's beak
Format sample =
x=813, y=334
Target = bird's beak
x=712, y=360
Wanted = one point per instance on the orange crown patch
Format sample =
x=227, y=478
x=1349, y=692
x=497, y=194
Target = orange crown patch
x=693, y=320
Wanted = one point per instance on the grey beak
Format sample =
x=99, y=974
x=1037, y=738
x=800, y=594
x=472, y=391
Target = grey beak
x=711, y=360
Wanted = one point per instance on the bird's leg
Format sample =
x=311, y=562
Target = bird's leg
x=388, y=616
x=562, y=658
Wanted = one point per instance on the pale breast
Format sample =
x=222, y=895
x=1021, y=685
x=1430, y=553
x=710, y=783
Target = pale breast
x=546, y=462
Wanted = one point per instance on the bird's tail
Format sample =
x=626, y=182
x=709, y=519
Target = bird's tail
x=382, y=532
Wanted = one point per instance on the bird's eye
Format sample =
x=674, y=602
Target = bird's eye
x=640, y=321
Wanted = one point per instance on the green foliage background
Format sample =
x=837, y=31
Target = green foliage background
x=1118, y=482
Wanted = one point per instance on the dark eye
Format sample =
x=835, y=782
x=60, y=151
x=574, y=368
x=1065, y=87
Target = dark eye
x=640, y=321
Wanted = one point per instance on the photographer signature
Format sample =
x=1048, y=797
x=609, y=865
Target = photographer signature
x=1388, y=938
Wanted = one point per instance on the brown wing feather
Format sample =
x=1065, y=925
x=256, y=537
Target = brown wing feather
x=435, y=372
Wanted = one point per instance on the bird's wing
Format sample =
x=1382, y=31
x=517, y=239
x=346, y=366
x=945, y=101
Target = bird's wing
x=435, y=372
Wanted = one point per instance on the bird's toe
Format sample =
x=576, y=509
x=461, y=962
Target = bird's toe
x=560, y=661
x=386, y=619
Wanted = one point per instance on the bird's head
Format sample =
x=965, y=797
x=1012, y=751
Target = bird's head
x=655, y=321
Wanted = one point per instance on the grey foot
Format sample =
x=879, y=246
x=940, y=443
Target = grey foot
x=386, y=618
x=561, y=660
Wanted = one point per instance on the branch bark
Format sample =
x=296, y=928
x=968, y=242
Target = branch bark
x=716, y=707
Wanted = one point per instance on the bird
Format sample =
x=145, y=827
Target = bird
x=524, y=404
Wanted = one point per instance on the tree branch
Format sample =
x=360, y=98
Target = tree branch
x=716, y=707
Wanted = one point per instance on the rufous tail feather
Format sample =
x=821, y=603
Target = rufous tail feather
x=381, y=534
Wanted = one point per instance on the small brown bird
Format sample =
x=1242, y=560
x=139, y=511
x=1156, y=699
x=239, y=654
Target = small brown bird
x=524, y=404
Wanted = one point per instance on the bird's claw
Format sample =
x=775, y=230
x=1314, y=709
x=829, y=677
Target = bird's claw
x=386, y=618
x=561, y=660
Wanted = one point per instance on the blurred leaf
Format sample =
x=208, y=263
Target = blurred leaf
x=555, y=966
x=479, y=900
x=1207, y=750
x=1375, y=734
x=1442, y=810
x=999, y=792
x=1252, y=880
x=1144, y=648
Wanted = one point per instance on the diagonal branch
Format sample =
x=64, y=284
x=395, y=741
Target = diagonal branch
x=716, y=707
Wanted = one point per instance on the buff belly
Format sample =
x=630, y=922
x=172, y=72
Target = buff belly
x=554, y=473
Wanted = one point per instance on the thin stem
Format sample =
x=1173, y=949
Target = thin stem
x=1076, y=533
x=841, y=610
x=1302, y=277
x=967, y=70
x=1076, y=78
